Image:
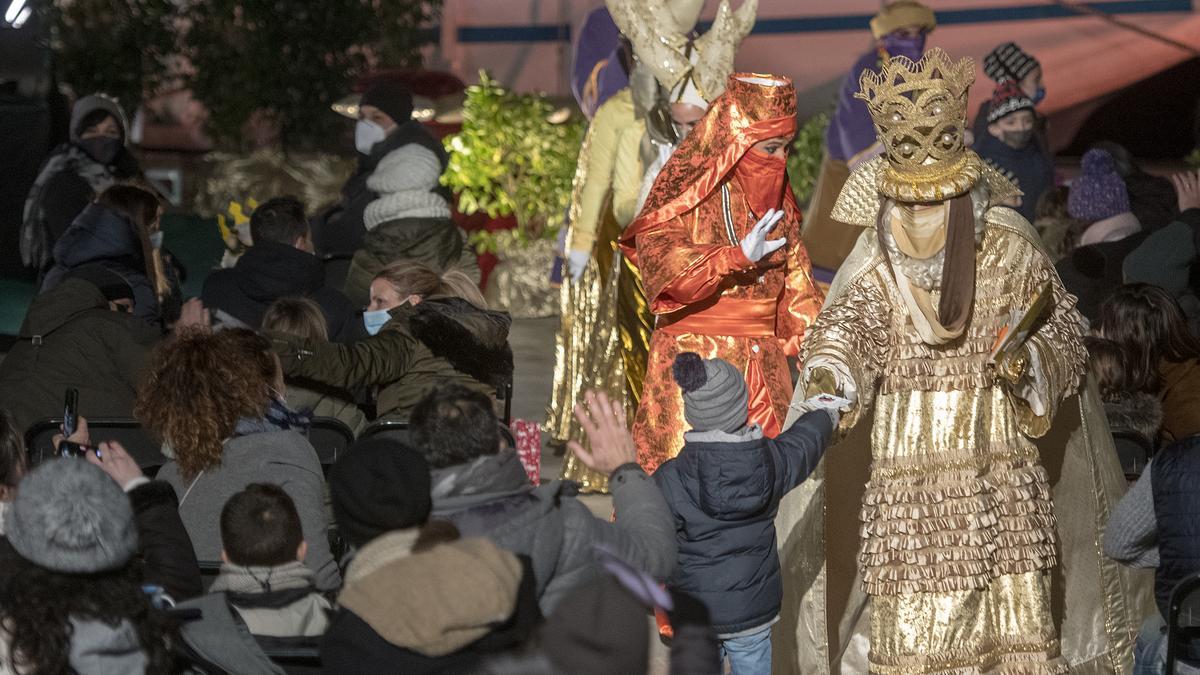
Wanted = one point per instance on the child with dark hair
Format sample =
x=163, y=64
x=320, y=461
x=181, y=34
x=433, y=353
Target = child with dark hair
x=263, y=575
x=724, y=489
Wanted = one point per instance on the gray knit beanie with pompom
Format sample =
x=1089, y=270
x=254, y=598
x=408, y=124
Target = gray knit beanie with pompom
x=714, y=393
x=69, y=516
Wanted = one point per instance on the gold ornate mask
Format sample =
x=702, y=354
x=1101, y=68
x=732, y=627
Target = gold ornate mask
x=920, y=113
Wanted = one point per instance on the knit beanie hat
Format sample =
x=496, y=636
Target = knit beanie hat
x=1098, y=192
x=1007, y=99
x=599, y=628
x=1008, y=62
x=69, y=516
x=378, y=486
x=714, y=393
x=393, y=98
x=112, y=285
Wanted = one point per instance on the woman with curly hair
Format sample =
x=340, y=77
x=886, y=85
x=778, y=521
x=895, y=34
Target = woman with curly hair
x=1147, y=322
x=216, y=402
x=74, y=602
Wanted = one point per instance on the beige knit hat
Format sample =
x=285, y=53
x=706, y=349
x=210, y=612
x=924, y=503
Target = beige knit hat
x=437, y=601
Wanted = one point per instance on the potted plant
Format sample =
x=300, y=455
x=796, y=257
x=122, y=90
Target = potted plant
x=515, y=155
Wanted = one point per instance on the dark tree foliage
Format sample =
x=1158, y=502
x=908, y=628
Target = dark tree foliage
x=119, y=47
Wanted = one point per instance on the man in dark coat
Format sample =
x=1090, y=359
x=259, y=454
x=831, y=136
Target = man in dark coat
x=481, y=486
x=78, y=335
x=280, y=264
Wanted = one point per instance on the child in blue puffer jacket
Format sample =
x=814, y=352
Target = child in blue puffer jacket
x=724, y=489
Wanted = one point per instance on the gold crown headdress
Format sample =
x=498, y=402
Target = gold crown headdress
x=920, y=113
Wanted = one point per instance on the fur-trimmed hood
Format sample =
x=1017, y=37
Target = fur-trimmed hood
x=1141, y=413
x=473, y=340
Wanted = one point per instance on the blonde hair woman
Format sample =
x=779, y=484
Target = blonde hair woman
x=303, y=317
x=426, y=328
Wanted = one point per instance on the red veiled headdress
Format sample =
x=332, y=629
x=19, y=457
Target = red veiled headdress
x=753, y=108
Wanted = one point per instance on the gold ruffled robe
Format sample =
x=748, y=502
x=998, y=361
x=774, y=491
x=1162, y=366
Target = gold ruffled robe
x=965, y=551
x=588, y=346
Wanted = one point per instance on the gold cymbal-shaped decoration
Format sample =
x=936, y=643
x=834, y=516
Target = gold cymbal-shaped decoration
x=920, y=113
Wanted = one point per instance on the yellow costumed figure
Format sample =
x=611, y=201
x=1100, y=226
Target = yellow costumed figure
x=987, y=484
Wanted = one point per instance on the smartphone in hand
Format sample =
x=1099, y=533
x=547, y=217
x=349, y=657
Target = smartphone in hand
x=70, y=413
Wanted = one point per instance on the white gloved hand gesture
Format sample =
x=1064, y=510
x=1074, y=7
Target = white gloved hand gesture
x=577, y=262
x=755, y=245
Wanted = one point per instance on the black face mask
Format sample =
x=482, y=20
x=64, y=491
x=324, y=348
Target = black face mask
x=103, y=149
x=1018, y=139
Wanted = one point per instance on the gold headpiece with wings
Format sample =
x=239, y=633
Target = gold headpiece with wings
x=658, y=30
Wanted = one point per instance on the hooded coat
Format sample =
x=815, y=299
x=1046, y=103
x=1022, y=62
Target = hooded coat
x=724, y=491
x=101, y=235
x=340, y=231
x=70, y=338
x=491, y=497
x=269, y=271
x=441, y=340
x=68, y=181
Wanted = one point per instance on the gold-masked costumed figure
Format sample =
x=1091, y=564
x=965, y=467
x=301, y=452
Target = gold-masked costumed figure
x=707, y=295
x=987, y=487
x=603, y=341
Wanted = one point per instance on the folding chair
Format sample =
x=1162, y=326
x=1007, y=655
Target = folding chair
x=125, y=430
x=1183, y=622
x=330, y=437
x=1133, y=451
x=396, y=429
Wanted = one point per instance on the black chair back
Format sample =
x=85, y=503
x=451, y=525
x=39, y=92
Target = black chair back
x=1133, y=451
x=209, y=569
x=395, y=429
x=330, y=437
x=1183, y=622
x=125, y=430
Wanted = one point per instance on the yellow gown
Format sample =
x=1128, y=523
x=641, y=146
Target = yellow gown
x=588, y=353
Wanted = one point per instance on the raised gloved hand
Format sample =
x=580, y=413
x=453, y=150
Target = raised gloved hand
x=756, y=246
x=577, y=262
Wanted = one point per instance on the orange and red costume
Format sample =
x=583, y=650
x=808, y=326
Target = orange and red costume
x=707, y=296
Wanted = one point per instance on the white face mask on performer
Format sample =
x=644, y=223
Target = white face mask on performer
x=366, y=135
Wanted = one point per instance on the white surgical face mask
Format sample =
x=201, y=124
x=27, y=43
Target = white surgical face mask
x=156, y=239
x=366, y=135
x=374, y=321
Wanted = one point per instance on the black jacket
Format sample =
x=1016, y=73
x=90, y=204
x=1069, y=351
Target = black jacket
x=340, y=230
x=1174, y=479
x=164, y=554
x=1092, y=272
x=71, y=339
x=100, y=235
x=1031, y=167
x=164, y=550
x=724, y=491
x=352, y=646
x=270, y=271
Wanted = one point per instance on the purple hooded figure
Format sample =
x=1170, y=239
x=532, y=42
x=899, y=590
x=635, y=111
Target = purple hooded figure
x=597, y=72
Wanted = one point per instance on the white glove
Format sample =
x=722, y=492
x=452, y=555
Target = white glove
x=577, y=262
x=755, y=245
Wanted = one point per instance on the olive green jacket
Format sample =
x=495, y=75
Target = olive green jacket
x=437, y=242
x=439, y=341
